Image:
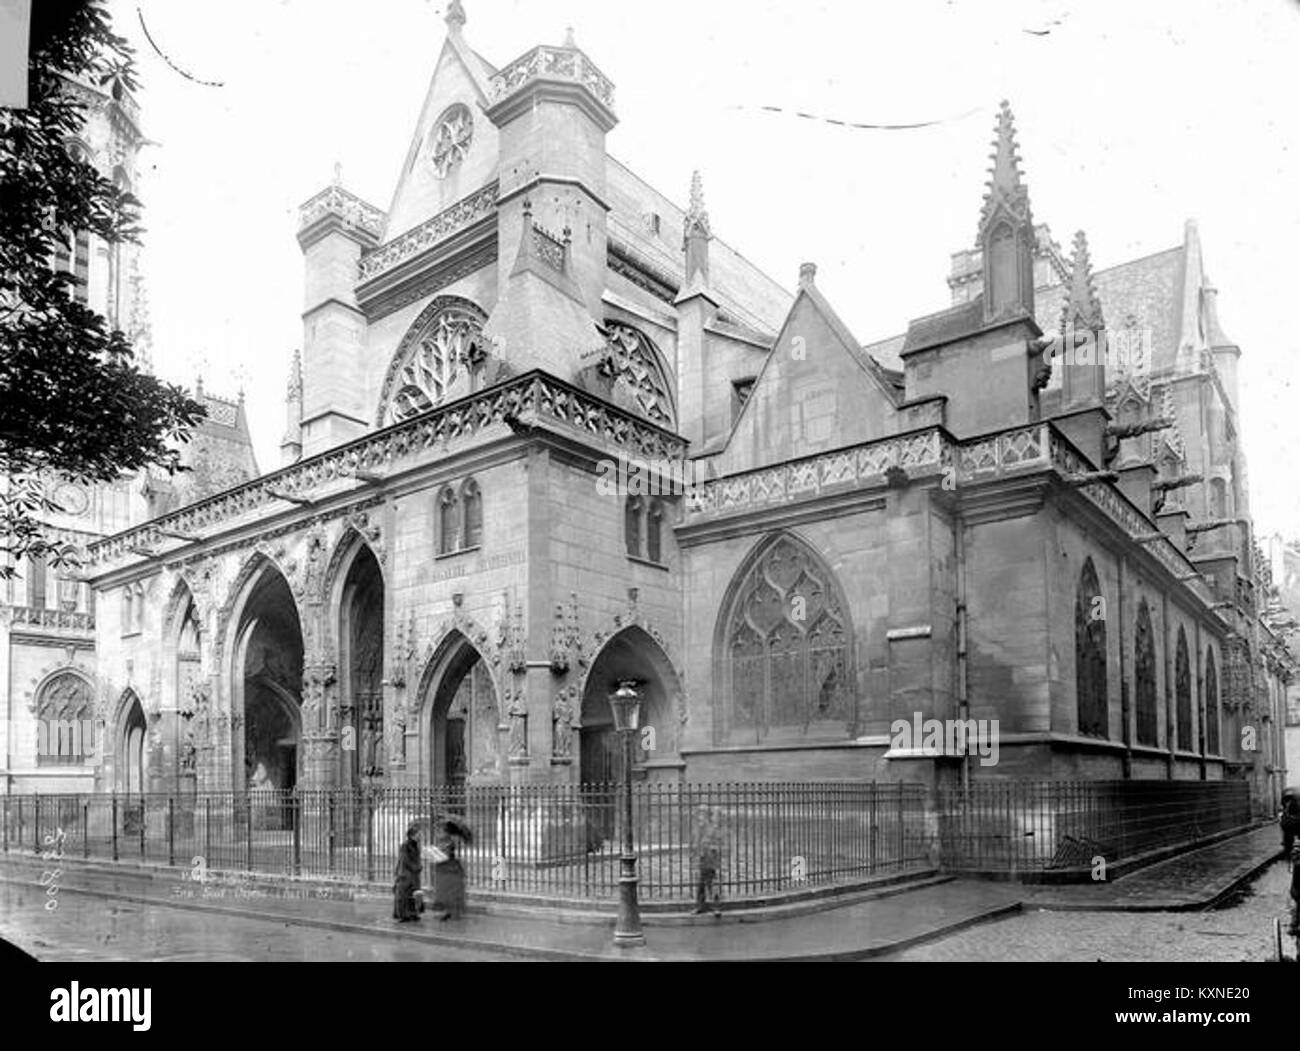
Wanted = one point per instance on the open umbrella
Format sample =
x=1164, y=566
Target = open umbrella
x=455, y=825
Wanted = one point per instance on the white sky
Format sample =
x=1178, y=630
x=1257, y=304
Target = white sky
x=1132, y=118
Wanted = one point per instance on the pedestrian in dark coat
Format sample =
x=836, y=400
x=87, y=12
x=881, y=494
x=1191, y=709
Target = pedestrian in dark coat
x=1290, y=818
x=448, y=872
x=406, y=878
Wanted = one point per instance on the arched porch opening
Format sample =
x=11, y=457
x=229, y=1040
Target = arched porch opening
x=460, y=739
x=266, y=686
x=631, y=655
x=129, y=749
x=361, y=642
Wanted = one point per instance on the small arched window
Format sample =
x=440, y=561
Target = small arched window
x=448, y=522
x=472, y=511
x=632, y=525
x=654, y=531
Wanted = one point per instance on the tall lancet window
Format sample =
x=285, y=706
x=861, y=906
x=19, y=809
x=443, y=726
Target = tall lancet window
x=1183, y=694
x=1211, y=704
x=448, y=521
x=472, y=508
x=1090, y=655
x=1144, y=678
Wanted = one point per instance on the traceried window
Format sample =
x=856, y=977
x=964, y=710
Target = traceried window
x=445, y=341
x=1183, y=694
x=1211, y=704
x=1090, y=655
x=460, y=517
x=449, y=142
x=472, y=513
x=1144, y=678
x=632, y=363
x=787, y=650
x=65, y=721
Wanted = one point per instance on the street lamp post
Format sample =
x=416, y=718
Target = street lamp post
x=626, y=705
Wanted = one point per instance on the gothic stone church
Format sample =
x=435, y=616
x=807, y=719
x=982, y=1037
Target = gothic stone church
x=435, y=587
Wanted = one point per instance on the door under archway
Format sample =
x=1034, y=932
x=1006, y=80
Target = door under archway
x=130, y=748
x=463, y=739
x=362, y=635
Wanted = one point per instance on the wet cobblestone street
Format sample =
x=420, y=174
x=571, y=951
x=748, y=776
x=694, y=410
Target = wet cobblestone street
x=1240, y=930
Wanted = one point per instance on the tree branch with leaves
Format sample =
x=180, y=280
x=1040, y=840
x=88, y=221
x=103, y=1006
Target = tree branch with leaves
x=73, y=403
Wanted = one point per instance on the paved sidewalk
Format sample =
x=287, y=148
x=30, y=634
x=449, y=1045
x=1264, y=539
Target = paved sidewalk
x=891, y=921
x=886, y=922
x=1189, y=881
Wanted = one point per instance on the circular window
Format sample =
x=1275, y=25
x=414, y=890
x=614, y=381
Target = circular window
x=71, y=499
x=451, y=138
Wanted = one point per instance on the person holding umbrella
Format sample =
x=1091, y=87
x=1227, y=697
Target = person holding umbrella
x=406, y=877
x=448, y=872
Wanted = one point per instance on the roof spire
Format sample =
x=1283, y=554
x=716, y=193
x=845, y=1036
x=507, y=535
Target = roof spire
x=697, y=216
x=569, y=39
x=455, y=17
x=1082, y=305
x=1006, y=190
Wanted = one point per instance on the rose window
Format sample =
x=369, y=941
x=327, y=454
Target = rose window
x=451, y=139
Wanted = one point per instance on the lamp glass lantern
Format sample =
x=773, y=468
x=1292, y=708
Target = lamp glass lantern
x=625, y=702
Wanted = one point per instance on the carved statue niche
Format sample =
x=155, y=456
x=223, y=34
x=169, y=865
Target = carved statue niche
x=518, y=713
x=562, y=712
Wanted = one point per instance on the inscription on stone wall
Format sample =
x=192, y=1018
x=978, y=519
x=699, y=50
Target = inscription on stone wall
x=465, y=569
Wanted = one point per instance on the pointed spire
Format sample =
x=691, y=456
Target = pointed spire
x=697, y=216
x=569, y=39
x=455, y=17
x=1005, y=188
x=1082, y=307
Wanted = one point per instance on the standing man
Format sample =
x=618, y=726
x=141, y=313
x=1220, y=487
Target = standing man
x=1290, y=818
x=706, y=850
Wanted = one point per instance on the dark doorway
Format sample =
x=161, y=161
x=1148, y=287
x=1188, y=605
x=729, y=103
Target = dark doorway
x=363, y=657
x=465, y=747
x=269, y=672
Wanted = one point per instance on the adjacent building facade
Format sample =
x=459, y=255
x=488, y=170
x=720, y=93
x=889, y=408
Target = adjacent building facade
x=548, y=433
x=52, y=733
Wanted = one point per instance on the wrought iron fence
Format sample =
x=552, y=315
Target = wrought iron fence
x=1039, y=826
x=555, y=842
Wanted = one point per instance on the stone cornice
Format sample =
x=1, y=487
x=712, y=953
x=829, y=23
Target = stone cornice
x=534, y=399
x=334, y=208
x=430, y=234
x=934, y=455
x=562, y=73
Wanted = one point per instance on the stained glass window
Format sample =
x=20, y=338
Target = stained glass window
x=1144, y=676
x=1090, y=655
x=787, y=648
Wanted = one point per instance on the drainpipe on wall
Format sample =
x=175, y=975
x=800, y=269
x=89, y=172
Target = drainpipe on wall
x=1125, y=731
x=1170, y=734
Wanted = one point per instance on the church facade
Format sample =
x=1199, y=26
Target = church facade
x=547, y=434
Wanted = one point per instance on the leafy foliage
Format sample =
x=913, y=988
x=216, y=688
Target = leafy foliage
x=73, y=403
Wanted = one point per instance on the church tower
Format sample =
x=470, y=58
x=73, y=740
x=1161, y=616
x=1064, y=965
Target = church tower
x=552, y=108
x=1006, y=231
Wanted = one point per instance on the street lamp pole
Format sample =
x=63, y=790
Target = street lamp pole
x=626, y=703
